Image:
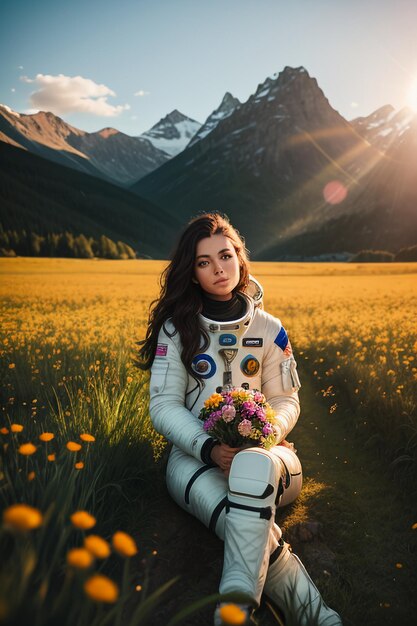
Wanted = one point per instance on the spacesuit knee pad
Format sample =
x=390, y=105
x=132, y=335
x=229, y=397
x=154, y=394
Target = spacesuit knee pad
x=254, y=477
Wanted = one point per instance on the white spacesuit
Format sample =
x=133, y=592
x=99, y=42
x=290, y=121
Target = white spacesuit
x=254, y=352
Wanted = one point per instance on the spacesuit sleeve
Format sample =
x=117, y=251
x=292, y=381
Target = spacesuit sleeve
x=169, y=415
x=280, y=381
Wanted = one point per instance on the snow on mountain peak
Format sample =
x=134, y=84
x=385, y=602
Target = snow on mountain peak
x=172, y=133
x=9, y=110
x=227, y=106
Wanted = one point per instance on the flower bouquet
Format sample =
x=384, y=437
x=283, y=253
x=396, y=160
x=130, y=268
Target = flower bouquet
x=240, y=417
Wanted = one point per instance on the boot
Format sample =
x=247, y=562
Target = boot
x=290, y=587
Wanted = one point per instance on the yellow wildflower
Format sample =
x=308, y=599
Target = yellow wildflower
x=16, y=428
x=4, y=431
x=98, y=546
x=399, y=565
x=46, y=436
x=27, y=449
x=87, y=437
x=232, y=614
x=79, y=558
x=124, y=544
x=22, y=517
x=11, y=366
x=73, y=447
x=51, y=457
x=129, y=379
x=101, y=589
x=414, y=526
x=79, y=465
x=214, y=401
x=83, y=520
x=31, y=476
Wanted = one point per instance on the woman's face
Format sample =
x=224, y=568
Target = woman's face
x=216, y=267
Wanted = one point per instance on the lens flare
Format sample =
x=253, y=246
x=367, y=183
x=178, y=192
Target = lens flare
x=335, y=192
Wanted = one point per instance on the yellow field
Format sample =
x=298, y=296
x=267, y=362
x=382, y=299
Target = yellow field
x=68, y=333
x=353, y=325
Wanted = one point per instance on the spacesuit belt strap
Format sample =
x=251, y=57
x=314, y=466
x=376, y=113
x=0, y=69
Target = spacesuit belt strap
x=264, y=512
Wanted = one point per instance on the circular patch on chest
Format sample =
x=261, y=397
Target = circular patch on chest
x=204, y=365
x=250, y=365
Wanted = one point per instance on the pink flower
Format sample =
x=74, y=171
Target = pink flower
x=248, y=408
x=259, y=396
x=244, y=428
x=228, y=413
x=267, y=429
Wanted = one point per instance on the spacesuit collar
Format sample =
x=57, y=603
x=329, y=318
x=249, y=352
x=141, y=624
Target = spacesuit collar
x=238, y=326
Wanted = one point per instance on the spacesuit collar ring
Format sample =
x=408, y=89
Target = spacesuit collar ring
x=238, y=326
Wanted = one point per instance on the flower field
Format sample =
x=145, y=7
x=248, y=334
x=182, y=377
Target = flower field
x=78, y=453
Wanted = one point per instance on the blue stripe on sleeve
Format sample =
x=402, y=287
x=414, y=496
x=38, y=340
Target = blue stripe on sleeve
x=282, y=339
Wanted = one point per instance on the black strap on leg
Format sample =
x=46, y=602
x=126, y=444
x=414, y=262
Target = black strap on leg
x=264, y=512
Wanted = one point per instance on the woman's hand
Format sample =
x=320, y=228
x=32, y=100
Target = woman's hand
x=222, y=455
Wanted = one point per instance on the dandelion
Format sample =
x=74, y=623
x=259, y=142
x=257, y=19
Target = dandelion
x=27, y=449
x=4, y=431
x=79, y=465
x=232, y=614
x=16, y=428
x=79, y=558
x=11, y=366
x=22, y=517
x=87, y=437
x=46, y=436
x=73, y=446
x=83, y=520
x=51, y=457
x=101, y=589
x=124, y=544
x=129, y=379
x=98, y=546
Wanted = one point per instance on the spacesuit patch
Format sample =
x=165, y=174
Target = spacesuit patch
x=253, y=342
x=204, y=365
x=161, y=349
x=227, y=339
x=282, y=339
x=250, y=365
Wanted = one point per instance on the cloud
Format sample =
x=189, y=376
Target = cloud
x=72, y=94
x=142, y=93
x=354, y=105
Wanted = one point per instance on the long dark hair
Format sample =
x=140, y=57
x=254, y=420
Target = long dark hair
x=180, y=297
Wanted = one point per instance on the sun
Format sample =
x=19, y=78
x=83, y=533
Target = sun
x=412, y=95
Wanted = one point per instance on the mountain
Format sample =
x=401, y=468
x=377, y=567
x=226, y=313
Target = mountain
x=44, y=197
x=107, y=154
x=172, y=133
x=226, y=108
x=380, y=210
x=384, y=126
x=119, y=156
x=267, y=164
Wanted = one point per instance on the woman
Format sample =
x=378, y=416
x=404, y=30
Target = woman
x=207, y=330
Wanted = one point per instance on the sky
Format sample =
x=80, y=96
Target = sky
x=127, y=64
